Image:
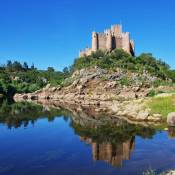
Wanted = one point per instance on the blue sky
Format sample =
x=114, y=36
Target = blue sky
x=51, y=32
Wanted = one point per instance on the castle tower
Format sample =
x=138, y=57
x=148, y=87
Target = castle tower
x=116, y=29
x=126, y=42
x=94, y=41
x=108, y=40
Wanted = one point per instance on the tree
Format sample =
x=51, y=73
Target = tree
x=25, y=66
x=50, y=69
x=9, y=65
x=16, y=66
x=32, y=67
x=66, y=70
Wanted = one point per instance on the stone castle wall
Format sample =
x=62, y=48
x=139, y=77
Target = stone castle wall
x=109, y=40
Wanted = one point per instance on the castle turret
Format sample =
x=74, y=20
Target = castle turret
x=94, y=41
x=108, y=40
x=116, y=29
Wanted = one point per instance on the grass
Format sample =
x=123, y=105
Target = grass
x=162, y=105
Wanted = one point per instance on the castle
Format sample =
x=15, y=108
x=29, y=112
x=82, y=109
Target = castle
x=109, y=40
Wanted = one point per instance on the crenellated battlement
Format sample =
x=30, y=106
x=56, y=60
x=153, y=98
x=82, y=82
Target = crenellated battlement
x=110, y=39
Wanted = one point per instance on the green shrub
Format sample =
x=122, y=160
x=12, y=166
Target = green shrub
x=124, y=81
x=152, y=93
x=104, y=78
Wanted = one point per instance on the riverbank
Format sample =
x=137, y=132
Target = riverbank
x=106, y=91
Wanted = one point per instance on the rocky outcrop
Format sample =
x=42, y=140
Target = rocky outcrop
x=117, y=92
x=95, y=84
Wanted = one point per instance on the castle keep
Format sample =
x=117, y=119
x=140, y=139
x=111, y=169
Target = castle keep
x=109, y=40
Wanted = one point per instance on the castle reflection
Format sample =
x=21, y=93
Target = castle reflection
x=113, y=154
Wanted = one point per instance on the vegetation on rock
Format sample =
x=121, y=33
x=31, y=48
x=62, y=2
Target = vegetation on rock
x=120, y=59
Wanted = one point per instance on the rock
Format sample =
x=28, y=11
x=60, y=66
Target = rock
x=171, y=173
x=157, y=115
x=142, y=115
x=75, y=83
x=110, y=85
x=97, y=110
x=47, y=87
x=136, y=88
x=154, y=119
x=53, y=89
x=25, y=97
x=58, y=88
x=34, y=97
x=126, y=94
x=171, y=119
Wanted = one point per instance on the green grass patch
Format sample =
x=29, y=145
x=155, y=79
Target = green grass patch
x=162, y=105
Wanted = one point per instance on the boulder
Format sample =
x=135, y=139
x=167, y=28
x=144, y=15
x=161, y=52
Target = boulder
x=171, y=173
x=171, y=119
x=142, y=115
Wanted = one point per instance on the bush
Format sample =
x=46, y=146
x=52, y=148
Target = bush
x=124, y=81
x=152, y=93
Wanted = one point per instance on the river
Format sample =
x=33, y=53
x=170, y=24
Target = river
x=42, y=140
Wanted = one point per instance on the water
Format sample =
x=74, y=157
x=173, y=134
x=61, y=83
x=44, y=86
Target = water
x=49, y=141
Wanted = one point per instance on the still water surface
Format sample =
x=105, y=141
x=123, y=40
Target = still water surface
x=41, y=141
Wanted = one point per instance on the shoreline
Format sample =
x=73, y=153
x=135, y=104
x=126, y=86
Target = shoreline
x=134, y=110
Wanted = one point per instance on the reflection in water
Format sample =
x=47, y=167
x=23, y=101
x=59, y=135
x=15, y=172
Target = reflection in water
x=112, y=139
x=24, y=113
x=112, y=143
x=113, y=154
x=171, y=132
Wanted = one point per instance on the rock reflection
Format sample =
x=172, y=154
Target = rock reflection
x=171, y=132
